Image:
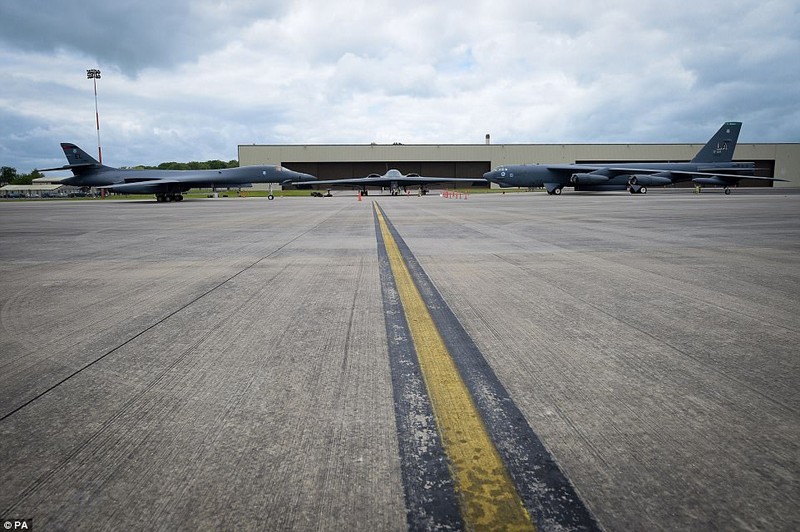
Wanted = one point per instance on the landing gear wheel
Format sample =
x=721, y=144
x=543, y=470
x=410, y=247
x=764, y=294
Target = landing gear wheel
x=643, y=190
x=727, y=190
x=557, y=191
x=270, y=197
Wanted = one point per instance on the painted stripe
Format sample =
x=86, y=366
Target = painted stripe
x=546, y=492
x=487, y=495
x=431, y=502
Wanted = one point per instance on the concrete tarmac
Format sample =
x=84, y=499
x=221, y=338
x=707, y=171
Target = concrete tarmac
x=222, y=364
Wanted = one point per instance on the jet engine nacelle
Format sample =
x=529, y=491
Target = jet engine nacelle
x=648, y=180
x=588, y=179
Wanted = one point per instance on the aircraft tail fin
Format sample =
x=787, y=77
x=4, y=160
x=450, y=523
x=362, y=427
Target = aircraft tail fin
x=720, y=148
x=76, y=156
x=79, y=161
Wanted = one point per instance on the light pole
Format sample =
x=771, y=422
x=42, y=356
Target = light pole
x=94, y=75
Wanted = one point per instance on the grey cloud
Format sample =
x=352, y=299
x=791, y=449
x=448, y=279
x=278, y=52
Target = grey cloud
x=191, y=80
x=132, y=35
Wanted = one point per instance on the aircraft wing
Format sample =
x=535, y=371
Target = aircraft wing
x=724, y=179
x=142, y=187
x=685, y=174
x=388, y=181
x=723, y=175
x=50, y=180
x=411, y=180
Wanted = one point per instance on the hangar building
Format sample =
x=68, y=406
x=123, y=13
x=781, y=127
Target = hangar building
x=473, y=160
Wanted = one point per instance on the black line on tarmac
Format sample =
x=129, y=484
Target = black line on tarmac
x=546, y=492
x=157, y=323
x=431, y=502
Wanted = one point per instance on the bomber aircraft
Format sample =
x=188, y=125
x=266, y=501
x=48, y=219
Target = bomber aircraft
x=713, y=165
x=167, y=185
x=395, y=180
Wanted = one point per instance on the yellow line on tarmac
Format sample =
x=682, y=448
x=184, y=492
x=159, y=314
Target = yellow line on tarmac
x=487, y=495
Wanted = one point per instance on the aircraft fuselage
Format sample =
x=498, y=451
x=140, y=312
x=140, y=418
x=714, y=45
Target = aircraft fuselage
x=598, y=177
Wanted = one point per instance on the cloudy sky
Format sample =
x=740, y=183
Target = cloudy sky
x=190, y=80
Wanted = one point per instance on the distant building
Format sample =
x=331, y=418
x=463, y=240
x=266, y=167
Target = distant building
x=37, y=191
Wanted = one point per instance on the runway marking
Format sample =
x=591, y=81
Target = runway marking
x=502, y=475
x=431, y=502
x=488, y=497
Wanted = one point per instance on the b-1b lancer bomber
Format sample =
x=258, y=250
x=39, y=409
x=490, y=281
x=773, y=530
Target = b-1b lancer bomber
x=713, y=165
x=167, y=185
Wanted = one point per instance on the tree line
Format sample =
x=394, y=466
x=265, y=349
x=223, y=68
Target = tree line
x=214, y=164
x=9, y=175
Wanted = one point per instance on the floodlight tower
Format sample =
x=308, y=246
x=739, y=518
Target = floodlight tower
x=94, y=75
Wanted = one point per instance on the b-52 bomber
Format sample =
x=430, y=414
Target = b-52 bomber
x=395, y=180
x=713, y=165
x=167, y=185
